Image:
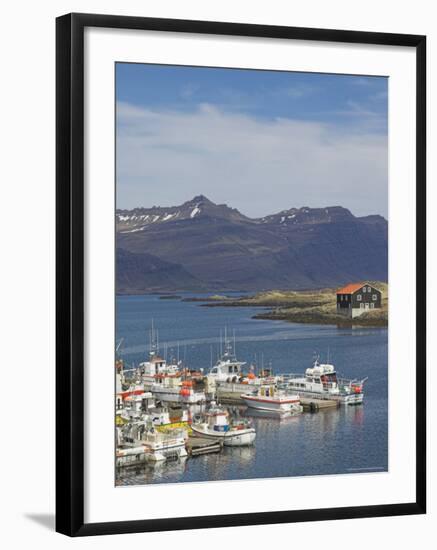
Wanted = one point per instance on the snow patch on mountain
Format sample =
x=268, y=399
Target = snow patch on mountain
x=196, y=210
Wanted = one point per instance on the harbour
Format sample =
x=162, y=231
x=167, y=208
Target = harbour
x=325, y=437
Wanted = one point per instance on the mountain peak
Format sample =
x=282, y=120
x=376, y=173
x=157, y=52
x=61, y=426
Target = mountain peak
x=201, y=198
x=212, y=246
x=140, y=219
x=198, y=201
x=307, y=215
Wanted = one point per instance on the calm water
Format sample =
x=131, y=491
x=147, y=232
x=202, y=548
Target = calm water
x=344, y=440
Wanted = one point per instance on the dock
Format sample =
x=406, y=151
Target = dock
x=309, y=404
x=202, y=445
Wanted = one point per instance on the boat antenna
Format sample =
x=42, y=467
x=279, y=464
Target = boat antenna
x=235, y=348
x=153, y=340
x=178, y=352
x=211, y=355
x=328, y=356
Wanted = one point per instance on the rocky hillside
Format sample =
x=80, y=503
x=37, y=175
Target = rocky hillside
x=202, y=245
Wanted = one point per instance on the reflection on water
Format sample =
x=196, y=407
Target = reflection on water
x=327, y=442
x=169, y=471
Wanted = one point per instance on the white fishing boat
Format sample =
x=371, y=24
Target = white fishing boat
x=321, y=382
x=228, y=377
x=172, y=389
x=165, y=380
x=227, y=368
x=126, y=387
x=136, y=405
x=156, y=366
x=217, y=425
x=150, y=445
x=161, y=446
x=269, y=398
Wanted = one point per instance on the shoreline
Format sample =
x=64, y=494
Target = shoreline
x=303, y=307
x=293, y=306
x=323, y=320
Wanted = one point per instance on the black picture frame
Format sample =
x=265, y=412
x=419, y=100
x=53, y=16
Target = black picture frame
x=70, y=272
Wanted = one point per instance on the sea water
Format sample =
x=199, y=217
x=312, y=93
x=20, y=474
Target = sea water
x=349, y=439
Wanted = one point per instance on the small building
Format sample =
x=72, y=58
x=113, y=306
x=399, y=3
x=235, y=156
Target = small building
x=357, y=298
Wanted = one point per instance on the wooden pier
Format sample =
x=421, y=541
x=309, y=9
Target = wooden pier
x=202, y=445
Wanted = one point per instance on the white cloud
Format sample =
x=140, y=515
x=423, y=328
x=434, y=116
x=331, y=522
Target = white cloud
x=256, y=165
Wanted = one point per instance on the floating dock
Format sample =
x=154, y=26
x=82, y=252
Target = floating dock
x=202, y=445
x=309, y=404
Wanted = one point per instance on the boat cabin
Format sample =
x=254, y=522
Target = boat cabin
x=156, y=365
x=225, y=369
x=136, y=404
x=322, y=374
x=217, y=420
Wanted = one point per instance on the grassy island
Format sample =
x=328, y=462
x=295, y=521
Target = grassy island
x=305, y=306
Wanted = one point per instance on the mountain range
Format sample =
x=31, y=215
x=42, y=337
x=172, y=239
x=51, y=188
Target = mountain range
x=203, y=246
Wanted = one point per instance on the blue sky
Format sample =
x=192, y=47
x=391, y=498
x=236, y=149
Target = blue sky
x=283, y=139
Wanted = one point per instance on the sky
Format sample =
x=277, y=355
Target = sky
x=259, y=141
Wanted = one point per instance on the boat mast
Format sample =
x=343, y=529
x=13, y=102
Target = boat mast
x=152, y=343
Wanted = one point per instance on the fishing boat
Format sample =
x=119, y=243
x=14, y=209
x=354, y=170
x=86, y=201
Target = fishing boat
x=321, y=382
x=126, y=387
x=134, y=406
x=152, y=447
x=227, y=368
x=269, y=398
x=172, y=389
x=217, y=425
x=156, y=366
x=165, y=420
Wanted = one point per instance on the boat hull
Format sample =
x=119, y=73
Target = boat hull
x=343, y=399
x=232, y=438
x=137, y=455
x=273, y=405
x=170, y=397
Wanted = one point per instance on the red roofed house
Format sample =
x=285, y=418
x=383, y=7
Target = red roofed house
x=357, y=298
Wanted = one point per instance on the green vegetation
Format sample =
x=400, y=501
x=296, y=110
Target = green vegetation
x=311, y=306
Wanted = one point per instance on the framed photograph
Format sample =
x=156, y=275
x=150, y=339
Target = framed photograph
x=240, y=274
